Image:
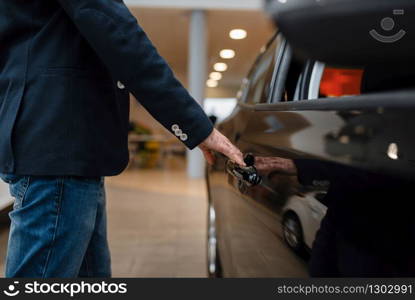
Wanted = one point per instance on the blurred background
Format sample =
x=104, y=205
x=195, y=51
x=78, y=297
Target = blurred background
x=157, y=208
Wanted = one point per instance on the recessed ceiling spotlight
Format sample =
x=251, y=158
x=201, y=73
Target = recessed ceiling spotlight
x=238, y=34
x=215, y=76
x=212, y=83
x=220, y=67
x=227, y=54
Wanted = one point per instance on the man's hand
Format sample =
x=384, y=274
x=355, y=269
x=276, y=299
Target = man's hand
x=219, y=143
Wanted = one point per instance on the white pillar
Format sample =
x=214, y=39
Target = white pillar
x=197, y=80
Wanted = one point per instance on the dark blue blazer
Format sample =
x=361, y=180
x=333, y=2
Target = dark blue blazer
x=66, y=70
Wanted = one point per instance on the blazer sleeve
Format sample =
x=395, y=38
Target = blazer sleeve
x=117, y=38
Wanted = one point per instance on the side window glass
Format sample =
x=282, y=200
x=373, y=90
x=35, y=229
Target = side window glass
x=337, y=82
x=260, y=78
x=293, y=81
x=332, y=82
x=288, y=77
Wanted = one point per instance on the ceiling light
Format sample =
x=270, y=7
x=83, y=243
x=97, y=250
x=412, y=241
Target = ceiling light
x=220, y=67
x=227, y=53
x=212, y=83
x=215, y=76
x=238, y=34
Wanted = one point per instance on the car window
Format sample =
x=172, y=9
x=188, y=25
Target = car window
x=337, y=82
x=260, y=80
x=332, y=82
x=293, y=80
x=288, y=77
x=326, y=81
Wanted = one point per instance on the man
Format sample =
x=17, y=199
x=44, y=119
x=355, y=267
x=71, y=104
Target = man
x=66, y=70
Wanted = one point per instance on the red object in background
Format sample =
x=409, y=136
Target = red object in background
x=341, y=82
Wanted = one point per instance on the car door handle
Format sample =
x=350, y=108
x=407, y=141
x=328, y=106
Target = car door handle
x=246, y=175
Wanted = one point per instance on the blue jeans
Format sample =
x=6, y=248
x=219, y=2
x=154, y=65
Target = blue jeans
x=58, y=227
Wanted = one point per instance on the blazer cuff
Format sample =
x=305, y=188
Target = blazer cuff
x=193, y=136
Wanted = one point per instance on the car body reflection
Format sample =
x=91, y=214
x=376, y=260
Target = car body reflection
x=354, y=169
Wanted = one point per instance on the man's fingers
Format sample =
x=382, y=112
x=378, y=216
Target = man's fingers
x=218, y=142
x=234, y=154
x=238, y=158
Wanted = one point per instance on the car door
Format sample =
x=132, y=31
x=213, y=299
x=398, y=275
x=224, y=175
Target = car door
x=247, y=226
x=316, y=117
x=268, y=134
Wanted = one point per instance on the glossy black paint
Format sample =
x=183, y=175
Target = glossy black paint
x=351, y=147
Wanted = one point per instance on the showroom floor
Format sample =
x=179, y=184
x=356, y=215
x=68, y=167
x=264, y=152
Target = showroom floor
x=157, y=225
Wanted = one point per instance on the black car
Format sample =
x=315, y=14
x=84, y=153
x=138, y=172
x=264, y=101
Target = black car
x=346, y=124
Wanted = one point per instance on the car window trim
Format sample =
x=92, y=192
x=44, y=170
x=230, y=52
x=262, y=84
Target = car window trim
x=298, y=87
x=305, y=83
x=379, y=101
x=315, y=80
x=277, y=68
x=244, y=98
x=282, y=67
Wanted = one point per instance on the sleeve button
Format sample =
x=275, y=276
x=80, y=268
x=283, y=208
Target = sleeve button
x=184, y=137
x=175, y=127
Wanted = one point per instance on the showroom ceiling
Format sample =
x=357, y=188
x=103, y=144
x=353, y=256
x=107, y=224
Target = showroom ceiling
x=168, y=29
